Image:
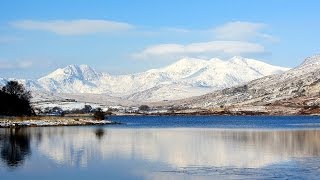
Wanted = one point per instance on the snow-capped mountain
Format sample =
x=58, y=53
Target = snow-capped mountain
x=71, y=79
x=29, y=84
x=185, y=78
x=295, y=90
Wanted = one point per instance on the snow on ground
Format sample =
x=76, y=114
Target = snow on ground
x=52, y=122
x=69, y=105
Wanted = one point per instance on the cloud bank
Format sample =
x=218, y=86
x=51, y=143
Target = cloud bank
x=230, y=39
x=16, y=65
x=195, y=49
x=239, y=30
x=74, y=27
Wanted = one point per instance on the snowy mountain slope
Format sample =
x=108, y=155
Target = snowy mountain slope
x=194, y=77
x=29, y=84
x=2, y=81
x=165, y=92
x=220, y=74
x=214, y=73
x=81, y=79
x=299, y=86
x=185, y=78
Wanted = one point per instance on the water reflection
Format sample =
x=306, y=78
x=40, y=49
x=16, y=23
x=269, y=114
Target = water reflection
x=15, y=146
x=99, y=133
x=179, y=149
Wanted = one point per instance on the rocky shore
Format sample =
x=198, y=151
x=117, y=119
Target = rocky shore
x=280, y=109
x=42, y=121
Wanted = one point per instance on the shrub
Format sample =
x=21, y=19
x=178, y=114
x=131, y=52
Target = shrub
x=87, y=109
x=144, y=108
x=99, y=114
x=54, y=111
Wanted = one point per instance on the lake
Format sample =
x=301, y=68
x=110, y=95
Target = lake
x=164, y=147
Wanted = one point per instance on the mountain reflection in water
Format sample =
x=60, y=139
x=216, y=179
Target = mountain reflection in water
x=80, y=147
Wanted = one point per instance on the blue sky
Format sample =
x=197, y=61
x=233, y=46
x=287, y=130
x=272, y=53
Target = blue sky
x=123, y=37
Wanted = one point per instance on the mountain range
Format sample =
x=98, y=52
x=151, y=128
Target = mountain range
x=185, y=78
x=295, y=91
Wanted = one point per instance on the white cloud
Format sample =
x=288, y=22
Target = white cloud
x=15, y=65
x=230, y=39
x=24, y=64
x=241, y=31
x=177, y=30
x=204, y=48
x=74, y=27
x=6, y=65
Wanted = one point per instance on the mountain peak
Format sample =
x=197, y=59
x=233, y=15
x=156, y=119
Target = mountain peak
x=80, y=67
x=188, y=60
x=82, y=72
x=237, y=58
x=186, y=66
x=312, y=60
x=242, y=60
x=215, y=60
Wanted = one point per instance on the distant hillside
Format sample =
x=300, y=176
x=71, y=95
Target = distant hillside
x=296, y=91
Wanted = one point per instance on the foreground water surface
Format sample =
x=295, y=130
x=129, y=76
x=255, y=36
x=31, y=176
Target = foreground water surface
x=198, y=147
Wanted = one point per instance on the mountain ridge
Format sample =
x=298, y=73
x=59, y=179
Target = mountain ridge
x=185, y=77
x=293, y=92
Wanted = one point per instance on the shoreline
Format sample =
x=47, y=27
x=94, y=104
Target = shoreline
x=46, y=121
x=87, y=120
x=217, y=113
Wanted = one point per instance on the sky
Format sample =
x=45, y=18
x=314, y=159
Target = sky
x=125, y=36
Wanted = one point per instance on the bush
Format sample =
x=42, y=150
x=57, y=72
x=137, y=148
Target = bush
x=15, y=100
x=87, y=109
x=144, y=108
x=54, y=111
x=99, y=114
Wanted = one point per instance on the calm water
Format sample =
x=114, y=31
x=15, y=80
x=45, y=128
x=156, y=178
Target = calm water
x=166, y=148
